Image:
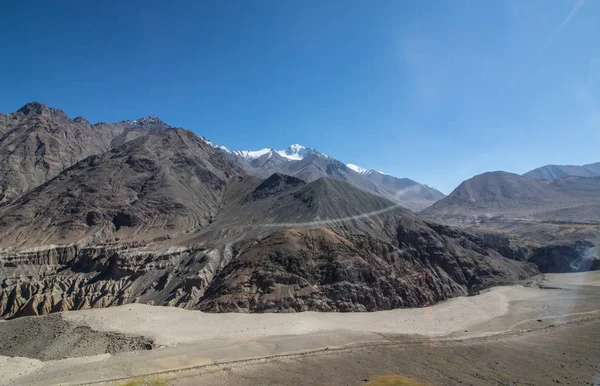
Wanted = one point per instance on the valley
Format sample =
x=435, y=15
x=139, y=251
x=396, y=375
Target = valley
x=507, y=333
x=137, y=249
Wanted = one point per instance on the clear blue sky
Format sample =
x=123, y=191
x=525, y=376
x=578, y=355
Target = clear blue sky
x=437, y=91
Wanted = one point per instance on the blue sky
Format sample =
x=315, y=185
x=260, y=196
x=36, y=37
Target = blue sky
x=437, y=91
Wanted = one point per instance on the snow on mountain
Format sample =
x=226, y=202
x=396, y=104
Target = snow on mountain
x=295, y=152
x=358, y=169
x=264, y=162
x=249, y=154
x=364, y=171
x=225, y=149
x=151, y=119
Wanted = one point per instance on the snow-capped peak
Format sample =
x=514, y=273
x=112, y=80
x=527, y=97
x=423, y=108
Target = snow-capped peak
x=358, y=169
x=364, y=171
x=215, y=145
x=249, y=154
x=295, y=152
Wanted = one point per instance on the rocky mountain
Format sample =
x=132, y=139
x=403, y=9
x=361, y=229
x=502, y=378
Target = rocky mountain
x=131, y=129
x=153, y=186
x=559, y=220
x=38, y=142
x=553, y=172
x=513, y=196
x=137, y=211
x=282, y=245
x=309, y=164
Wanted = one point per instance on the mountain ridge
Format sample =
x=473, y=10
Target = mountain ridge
x=553, y=172
x=37, y=142
x=512, y=195
x=309, y=164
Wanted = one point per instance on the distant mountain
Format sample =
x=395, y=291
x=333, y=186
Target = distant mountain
x=132, y=129
x=403, y=189
x=514, y=196
x=310, y=164
x=38, y=142
x=553, y=172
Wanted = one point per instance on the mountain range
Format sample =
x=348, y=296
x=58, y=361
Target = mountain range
x=138, y=211
x=39, y=142
x=94, y=215
x=310, y=164
x=558, y=218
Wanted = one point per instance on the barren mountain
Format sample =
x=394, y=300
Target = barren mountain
x=327, y=245
x=553, y=172
x=155, y=185
x=558, y=219
x=514, y=196
x=283, y=245
x=160, y=216
x=38, y=142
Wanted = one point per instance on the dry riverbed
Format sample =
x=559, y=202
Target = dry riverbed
x=497, y=337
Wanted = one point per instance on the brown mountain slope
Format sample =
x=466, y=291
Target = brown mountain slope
x=558, y=218
x=155, y=185
x=38, y=142
x=151, y=214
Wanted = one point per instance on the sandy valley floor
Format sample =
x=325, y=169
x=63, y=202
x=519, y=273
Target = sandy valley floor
x=544, y=334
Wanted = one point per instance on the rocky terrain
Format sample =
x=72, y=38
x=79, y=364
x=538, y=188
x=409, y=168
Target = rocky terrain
x=156, y=186
x=161, y=216
x=557, y=219
x=372, y=255
x=63, y=339
x=542, y=332
x=38, y=142
x=153, y=214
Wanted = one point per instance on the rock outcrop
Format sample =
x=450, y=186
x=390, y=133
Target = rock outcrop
x=579, y=256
